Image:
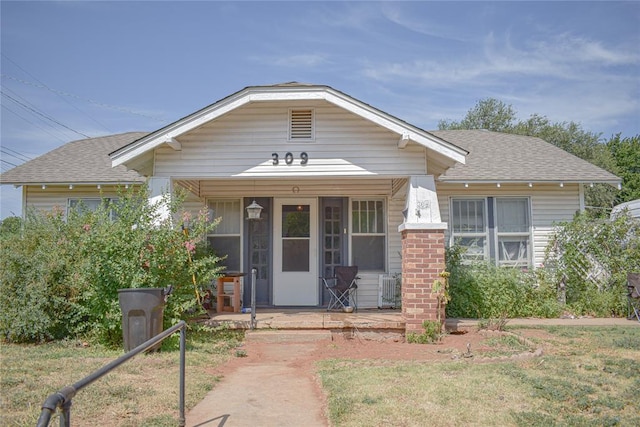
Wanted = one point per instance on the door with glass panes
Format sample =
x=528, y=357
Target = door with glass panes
x=295, y=239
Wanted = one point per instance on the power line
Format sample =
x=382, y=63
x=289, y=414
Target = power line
x=29, y=104
x=91, y=101
x=44, y=115
x=9, y=163
x=55, y=92
x=35, y=124
x=13, y=155
x=19, y=153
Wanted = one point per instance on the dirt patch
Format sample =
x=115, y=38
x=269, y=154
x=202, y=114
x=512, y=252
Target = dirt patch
x=263, y=370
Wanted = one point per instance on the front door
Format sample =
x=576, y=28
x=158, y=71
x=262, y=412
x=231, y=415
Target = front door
x=295, y=250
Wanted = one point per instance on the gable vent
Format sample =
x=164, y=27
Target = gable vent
x=301, y=125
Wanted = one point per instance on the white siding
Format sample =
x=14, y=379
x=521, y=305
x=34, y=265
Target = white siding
x=377, y=187
x=241, y=143
x=57, y=196
x=550, y=204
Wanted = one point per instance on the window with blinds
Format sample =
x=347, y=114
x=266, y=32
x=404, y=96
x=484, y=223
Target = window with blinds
x=301, y=125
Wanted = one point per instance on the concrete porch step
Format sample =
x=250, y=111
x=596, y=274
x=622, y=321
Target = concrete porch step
x=281, y=336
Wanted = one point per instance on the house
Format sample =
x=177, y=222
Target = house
x=340, y=183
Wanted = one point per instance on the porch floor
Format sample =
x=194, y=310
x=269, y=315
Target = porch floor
x=312, y=318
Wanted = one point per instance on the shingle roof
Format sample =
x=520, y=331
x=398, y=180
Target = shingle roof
x=502, y=157
x=493, y=157
x=83, y=161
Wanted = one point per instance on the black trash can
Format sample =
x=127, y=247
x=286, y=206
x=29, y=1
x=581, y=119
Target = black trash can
x=142, y=311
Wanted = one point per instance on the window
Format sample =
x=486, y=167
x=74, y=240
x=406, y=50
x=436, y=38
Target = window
x=469, y=228
x=301, y=125
x=225, y=238
x=497, y=228
x=368, y=236
x=512, y=230
x=85, y=205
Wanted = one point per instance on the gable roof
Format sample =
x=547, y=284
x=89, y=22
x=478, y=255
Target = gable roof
x=287, y=92
x=502, y=157
x=85, y=161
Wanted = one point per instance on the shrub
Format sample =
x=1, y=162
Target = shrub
x=592, y=257
x=432, y=333
x=38, y=290
x=486, y=291
x=60, y=277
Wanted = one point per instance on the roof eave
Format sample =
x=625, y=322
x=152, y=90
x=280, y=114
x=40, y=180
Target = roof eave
x=286, y=93
x=612, y=182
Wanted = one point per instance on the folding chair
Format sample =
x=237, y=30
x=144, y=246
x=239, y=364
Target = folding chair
x=343, y=288
x=633, y=297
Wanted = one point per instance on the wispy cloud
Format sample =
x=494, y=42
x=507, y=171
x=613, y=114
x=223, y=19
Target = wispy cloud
x=563, y=57
x=308, y=60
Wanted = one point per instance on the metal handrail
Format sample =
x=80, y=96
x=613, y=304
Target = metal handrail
x=62, y=398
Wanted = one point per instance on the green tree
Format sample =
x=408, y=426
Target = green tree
x=626, y=153
x=490, y=114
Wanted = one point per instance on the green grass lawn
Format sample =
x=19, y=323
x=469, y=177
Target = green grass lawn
x=587, y=377
x=142, y=392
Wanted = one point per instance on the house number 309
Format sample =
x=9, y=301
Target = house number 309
x=288, y=158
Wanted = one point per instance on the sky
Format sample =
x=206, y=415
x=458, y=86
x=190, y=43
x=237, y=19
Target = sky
x=72, y=70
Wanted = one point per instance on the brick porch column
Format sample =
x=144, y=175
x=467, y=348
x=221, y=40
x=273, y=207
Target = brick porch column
x=422, y=263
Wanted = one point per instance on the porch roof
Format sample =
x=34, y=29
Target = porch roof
x=502, y=157
x=286, y=92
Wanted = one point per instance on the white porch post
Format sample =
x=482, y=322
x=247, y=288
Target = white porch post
x=160, y=191
x=422, y=253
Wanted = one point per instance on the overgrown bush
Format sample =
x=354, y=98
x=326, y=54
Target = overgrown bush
x=592, y=256
x=60, y=276
x=486, y=291
x=38, y=293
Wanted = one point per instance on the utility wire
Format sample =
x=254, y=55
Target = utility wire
x=100, y=104
x=9, y=163
x=7, y=153
x=27, y=158
x=44, y=115
x=46, y=126
x=35, y=124
x=26, y=103
x=42, y=85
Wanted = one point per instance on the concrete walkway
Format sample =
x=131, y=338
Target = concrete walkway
x=273, y=389
x=270, y=390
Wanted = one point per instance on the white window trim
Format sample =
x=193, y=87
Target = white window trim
x=486, y=235
x=385, y=234
x=496, y=235
x=240, y=235
x=529, y=233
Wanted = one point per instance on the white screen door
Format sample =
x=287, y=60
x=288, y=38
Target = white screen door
x=295, y=252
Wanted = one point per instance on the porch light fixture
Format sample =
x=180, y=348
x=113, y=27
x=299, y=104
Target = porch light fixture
x=498, y=185
x=561, y=184
x=70, y=186
x=253, y=210
x=44, y=187
x=466, y=185
x=530, y=184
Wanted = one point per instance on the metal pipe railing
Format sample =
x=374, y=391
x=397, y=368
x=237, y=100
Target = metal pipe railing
x=63, y=398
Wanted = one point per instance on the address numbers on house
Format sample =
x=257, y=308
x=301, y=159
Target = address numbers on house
x=288, y=158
